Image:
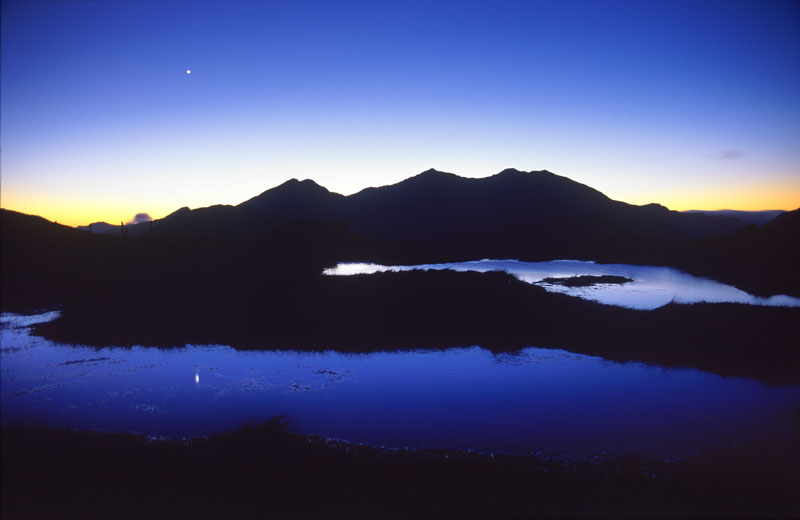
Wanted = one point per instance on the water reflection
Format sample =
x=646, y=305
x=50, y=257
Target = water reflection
x=652, y=287
x=535, y=399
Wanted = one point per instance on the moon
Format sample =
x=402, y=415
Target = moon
x=188, y=71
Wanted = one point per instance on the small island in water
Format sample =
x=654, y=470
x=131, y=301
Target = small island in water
x=587, y=280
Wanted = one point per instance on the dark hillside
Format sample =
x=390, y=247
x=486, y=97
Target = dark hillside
x=760, y=259
x=514, y=214
x=45, y=264
x=748, y=217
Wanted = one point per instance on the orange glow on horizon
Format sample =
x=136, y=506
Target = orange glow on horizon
x=62, y=208
x=732, y=196
x=79, y=213
x=787, y=201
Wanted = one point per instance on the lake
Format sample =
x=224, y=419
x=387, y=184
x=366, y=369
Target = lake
x=652, y=286
x=540, y=400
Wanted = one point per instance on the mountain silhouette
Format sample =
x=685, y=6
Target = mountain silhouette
x=131, y=230
x=760, y=259
x=748, y=217
x=511, y=214
x=102, y=228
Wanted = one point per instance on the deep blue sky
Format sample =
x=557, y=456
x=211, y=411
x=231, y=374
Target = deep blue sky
x=691, y=104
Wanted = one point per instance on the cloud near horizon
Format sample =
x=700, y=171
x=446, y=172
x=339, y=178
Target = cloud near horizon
x=731, y=154
x=139, y=218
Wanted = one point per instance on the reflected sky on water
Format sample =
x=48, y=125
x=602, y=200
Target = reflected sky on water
x=468, y=398
x=652, y=287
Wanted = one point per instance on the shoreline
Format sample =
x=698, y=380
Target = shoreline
x=442, y=309
x=266, y=469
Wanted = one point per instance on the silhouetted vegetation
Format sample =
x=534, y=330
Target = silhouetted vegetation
x=269, y=293
x=266, y=471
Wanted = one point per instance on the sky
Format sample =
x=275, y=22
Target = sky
x=694, y=105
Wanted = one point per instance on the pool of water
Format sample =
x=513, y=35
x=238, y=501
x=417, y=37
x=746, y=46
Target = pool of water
x=652, y=287
x=468, y=398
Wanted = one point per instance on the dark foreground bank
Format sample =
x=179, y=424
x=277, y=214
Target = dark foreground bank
x=266, y=471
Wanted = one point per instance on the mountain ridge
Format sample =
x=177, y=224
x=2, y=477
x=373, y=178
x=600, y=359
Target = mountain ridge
x=510, y=214
x=748, y=217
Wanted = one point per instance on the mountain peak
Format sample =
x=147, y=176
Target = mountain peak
x=510, y=171
x=513, y=172
x=180, y=211
x=295, y=187
x=433, y=173
x=654, y=206
x=291, y=193
x=295, y=183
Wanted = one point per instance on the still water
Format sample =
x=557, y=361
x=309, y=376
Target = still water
x=534, y=400
x=652, y=287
